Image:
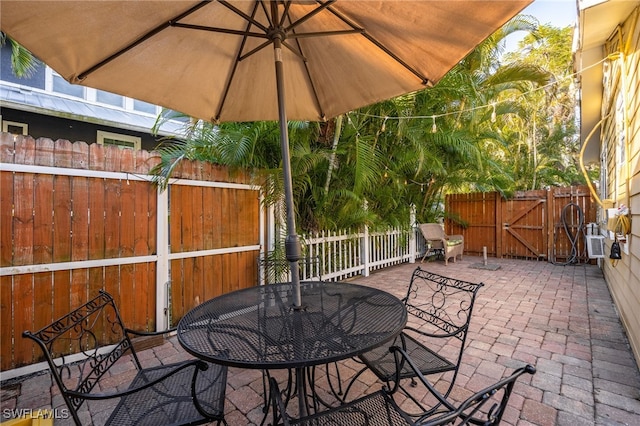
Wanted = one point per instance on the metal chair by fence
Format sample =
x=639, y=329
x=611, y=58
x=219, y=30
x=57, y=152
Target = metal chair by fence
x=485, y=407
x=440, y=311
x=189, y=392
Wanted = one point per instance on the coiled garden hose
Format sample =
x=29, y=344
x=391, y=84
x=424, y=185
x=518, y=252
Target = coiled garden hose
x=573, y=238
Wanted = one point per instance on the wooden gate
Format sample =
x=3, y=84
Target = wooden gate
x=542, y=224
x=523, y=225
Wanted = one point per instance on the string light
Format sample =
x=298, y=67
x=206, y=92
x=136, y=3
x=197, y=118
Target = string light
x=383, y=128
x=493, y=114
x=434, y=128
x=433, y=117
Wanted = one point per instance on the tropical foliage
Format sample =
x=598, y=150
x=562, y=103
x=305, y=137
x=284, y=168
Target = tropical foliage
x=495, y=122
x=23, y=63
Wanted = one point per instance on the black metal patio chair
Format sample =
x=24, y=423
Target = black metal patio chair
x=439, y=311
x=485, y=407
x=189, y=392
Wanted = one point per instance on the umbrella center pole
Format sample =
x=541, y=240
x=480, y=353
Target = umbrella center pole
x=292, y=243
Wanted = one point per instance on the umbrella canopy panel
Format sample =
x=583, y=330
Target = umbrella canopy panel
x=214, y=60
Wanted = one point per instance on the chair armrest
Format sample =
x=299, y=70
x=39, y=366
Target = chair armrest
x=198, y=364
x=455, y=332
x=401, y=357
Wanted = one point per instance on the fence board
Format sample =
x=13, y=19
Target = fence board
x=6, y=218
x=43, y=237
x=96, y=157
x=6, y=323
x=225, y=217
x=23, y=218
x=208, y=223
x=96, y=218
x=62, y=239
x=79, y=228
x=63, y=153
x=216, y=210
x=112, y=232
x=188, y=265
x=127, y=221
x=141, y=248
x=22, y=317
x=197, y=239
x=7, y=147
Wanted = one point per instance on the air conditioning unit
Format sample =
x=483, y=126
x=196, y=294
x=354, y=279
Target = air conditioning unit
x=595, y=246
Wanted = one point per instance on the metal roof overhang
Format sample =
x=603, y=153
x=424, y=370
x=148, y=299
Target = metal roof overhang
x=24, y=99
x=597, y=20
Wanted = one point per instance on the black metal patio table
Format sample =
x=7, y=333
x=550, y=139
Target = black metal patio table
x=259, y=328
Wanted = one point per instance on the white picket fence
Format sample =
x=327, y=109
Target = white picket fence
x=340, y=255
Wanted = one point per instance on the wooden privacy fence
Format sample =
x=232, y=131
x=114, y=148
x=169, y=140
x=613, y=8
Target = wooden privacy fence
x=537, y=224
x=75, y=218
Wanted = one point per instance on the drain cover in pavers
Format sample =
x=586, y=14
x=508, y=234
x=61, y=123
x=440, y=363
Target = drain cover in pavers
x=488, y=266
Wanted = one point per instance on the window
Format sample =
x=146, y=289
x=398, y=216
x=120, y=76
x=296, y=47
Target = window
x=109, y=98
x=144, y=107
x=15, y=128
x=121, y=141
x=60, y=85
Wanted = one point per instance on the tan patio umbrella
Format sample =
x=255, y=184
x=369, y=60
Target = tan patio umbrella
x=256, y=60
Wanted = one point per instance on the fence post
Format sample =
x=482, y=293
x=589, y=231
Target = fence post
x=162, y=268
x=499, y=203
x=413, y=249
x=364, y=247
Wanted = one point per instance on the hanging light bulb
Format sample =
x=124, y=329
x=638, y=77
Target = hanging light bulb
x=383, y=128
x=434, y=128
x=493, y=114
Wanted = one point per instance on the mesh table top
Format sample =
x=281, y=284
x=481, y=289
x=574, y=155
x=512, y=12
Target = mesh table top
x=258, y=327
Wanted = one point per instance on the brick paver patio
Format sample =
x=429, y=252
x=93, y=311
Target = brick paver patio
x=561, y=319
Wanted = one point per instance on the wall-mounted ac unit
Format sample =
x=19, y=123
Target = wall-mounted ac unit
x=595, y=246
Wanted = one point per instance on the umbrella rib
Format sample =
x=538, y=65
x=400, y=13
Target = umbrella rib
x=313, y=86
x=325, y=33
x=285, y=13
x=235, y=64
x=309, y=15
x=141, y=40
x=240, y=13
x=219, y=30
x=381, y=46
x=252, y=51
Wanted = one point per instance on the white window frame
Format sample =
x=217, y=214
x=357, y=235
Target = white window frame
x=24, y=126
x=137, y=141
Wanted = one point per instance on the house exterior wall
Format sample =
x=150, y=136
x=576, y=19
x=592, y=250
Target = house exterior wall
x=620, y=160
x=48, y=126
